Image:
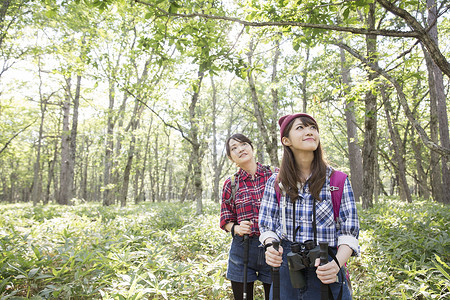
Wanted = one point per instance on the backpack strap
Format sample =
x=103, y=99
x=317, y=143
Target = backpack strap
x=233, y=188
x=337, y=181
x=277, y=189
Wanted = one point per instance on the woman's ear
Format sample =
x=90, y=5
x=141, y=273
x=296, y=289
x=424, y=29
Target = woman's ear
x=285, y=141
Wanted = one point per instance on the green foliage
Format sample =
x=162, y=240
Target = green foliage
x=164, y=251
x=404, y=250
x=158, y=251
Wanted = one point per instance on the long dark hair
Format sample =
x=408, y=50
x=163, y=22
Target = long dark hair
x=289, y=173
x=237, y=137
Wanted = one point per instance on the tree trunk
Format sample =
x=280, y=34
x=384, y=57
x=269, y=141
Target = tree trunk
x=65, y=187
x=421, y=179
x=197, y=155
x=127, y=171
x=396, y=143
x=275, y=104
x=73, y=138
x=271, y=148
x=354, y=150
x=109, y=145
x=215, y=165
x=441, y=104
x=84, y=180
x=304, y=81
x=37, y=182
x=218, y=163
x=370, y=121
x=163, y=192
x=140, y=196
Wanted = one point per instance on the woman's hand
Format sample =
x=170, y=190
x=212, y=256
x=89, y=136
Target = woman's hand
x=273, y=257
x=328, y=272
x=245, y=227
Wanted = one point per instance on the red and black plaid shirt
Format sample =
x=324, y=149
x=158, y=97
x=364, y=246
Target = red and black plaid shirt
x=247, y=199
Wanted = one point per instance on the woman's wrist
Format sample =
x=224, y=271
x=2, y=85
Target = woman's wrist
x=233, y=228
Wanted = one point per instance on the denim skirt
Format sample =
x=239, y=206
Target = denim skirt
x=257, y=269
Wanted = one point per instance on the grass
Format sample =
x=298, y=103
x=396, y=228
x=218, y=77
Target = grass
x=165, y=251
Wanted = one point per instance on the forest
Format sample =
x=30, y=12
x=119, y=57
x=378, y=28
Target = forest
x=115, y=113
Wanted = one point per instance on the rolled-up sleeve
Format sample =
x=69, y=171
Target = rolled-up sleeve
x=269, y=212
x=348, y=216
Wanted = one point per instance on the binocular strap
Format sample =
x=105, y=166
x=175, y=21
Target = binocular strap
x=330, y=252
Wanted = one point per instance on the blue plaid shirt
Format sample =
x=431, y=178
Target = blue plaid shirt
x=270, y=216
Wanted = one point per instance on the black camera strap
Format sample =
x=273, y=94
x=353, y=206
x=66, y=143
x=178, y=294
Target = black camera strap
x=330, y=252
x=314, y=222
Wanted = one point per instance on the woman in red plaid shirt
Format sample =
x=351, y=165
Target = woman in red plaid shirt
x=239, y=215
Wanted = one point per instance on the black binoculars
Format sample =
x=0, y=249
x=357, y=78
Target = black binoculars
x=302, y=255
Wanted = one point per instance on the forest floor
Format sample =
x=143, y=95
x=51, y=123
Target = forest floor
x=165, y=251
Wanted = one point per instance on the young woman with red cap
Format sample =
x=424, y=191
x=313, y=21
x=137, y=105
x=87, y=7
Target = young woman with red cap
x=241, y=198
x=303, y=216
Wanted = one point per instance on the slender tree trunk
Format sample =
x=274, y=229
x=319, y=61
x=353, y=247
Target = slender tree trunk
x=396, y=143
x=163, y=192
x=65, y=187
x=73, y=138
x=170, y=190
x=421, y=179
x=304, y=81
x=271, y=148
x=370, y=121
x=274, y=135
x=215, y=165
x=140, y=195
x=37, y=182
x=441, y=103
x=127, y=171
x=197, y=153
x=84, y=181
x=354, y=150
x=109, y=145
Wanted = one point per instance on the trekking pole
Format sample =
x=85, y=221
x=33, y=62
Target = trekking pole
x=276, y=275
x=246, y=242
x=323, y=260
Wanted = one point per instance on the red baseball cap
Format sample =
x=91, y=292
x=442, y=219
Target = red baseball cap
x=285, y=120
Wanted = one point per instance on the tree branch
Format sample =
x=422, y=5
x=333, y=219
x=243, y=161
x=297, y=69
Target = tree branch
x=402, y=99
x=14, y=136
x=363, y=31
x=422, y=35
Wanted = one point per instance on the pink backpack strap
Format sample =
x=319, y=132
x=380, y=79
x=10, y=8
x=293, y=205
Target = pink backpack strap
x=277, y=190
x=337, y=181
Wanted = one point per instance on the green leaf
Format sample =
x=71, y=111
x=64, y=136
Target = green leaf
x=346, y=13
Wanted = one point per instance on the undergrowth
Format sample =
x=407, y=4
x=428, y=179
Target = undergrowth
x=165, y=251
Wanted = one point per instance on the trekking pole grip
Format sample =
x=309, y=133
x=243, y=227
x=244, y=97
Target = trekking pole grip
x=276, y=274
x=323, y=260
